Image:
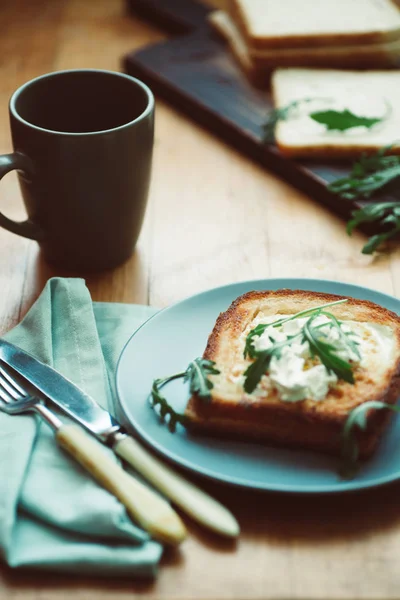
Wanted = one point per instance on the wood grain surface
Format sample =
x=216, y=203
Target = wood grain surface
x=214, y=217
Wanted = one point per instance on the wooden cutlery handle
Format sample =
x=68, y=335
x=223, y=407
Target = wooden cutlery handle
x=196, y=503
x=151, y=511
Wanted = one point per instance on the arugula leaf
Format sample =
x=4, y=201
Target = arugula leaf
x=346, y=337
x=249, y=350
x=384, y=213
x=369, y=163
x=256, y=370
x=341, y=120
x=357, y=418
x=197, y=374
x=166, y=412
x=364, y=184
x=372, y=212
x=259, y=367
x=326, y=352
x=370, y=175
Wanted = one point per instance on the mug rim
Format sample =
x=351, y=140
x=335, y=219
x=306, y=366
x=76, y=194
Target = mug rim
x=148, y=110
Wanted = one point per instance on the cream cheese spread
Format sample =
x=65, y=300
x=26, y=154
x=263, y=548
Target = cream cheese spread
x=296, y=375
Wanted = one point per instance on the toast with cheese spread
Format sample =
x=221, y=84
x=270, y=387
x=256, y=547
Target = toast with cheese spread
x=298, y=401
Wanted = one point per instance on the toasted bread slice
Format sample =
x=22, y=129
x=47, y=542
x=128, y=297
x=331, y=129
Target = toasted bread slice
x=294, y=24
x=258, y=63
x=364, y=93
x=315, y=424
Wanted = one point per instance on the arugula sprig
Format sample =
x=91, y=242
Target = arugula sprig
x=369, y=175
x=166, y=412
x=249, y=350
x=259, y=367
x=345, y=337
x=386, y=214
x=325, y=351
x=349, y=449
x=196, y=374
x=311, y=333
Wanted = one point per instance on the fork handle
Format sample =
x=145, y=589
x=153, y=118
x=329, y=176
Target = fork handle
x=151, y=511
x=196, y=503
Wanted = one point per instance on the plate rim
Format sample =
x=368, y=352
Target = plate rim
x=162, y=452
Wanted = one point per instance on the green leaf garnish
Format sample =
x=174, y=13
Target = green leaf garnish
x=386, y=214
x=327, y=352
x=167, y=414
x=345, y=337
x=369, y=175
x=197, y=375
x=335, y=120
x=357, y=418
x=311, y=333
x=259, y=367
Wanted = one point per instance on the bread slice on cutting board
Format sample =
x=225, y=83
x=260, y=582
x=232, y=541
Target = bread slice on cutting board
x=265, y=415
x=258, y=63
x=365, y=93
x=306, y=23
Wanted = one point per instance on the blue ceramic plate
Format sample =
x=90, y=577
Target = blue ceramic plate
x=167, y=342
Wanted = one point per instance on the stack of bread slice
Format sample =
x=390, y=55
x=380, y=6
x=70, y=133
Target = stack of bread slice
x=341, y=34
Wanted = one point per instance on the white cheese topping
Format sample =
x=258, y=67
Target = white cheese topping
x=296, y=376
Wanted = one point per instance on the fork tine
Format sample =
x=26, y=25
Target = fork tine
x=8, y=390
x=6, y=375
x=4, y=396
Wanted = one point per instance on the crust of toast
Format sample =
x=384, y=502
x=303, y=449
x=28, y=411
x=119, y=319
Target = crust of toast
x=351, y=151
x=308, y=423
x=307, y=40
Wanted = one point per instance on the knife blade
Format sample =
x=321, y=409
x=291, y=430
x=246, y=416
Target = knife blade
x=42, y=380
x=51, y=385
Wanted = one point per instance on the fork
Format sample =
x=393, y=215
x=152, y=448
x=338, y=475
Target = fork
x=149, y=509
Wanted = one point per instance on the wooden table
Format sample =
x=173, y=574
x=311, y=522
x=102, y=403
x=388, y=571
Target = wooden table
x=214, y=217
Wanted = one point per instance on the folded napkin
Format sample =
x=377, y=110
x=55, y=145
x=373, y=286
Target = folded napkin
x=53, y=515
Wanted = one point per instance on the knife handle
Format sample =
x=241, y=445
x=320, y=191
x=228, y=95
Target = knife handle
x=151, y=511
x=196, y=503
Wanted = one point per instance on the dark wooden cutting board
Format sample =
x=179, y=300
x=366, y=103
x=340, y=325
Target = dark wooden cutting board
x=196, y=73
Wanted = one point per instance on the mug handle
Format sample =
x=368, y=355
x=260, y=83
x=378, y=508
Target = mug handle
x=28, y=229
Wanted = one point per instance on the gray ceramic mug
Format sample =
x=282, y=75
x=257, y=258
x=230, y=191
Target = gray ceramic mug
x=83, y=142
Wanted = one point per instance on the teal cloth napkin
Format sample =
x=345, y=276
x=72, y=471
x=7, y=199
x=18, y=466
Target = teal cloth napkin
x=53, y=515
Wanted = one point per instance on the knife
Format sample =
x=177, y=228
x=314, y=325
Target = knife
x=50, y=385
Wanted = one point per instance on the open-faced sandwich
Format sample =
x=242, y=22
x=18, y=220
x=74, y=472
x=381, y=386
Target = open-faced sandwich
x=294, y=364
